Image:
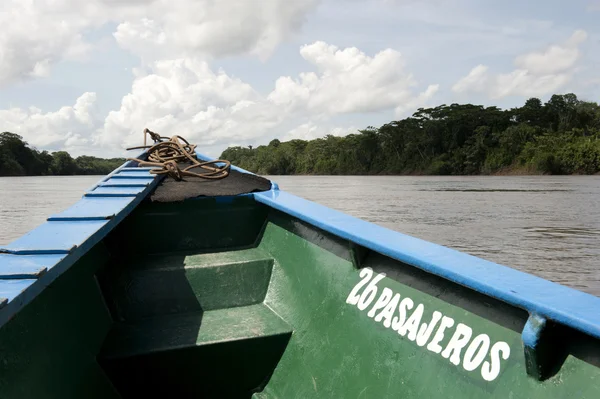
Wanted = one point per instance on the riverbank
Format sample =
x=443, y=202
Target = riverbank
x=559, y=137
x=18, y=159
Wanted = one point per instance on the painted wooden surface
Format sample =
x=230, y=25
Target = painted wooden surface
x=534, y=294
x=62, y=240
x=26, y=266
x=93, y=209
x=384, y=329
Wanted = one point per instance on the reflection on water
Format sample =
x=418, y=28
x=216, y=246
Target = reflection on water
x=547, y=226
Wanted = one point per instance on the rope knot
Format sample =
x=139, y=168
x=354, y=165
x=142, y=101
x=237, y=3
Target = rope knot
x=167, y=154
x=173, y=170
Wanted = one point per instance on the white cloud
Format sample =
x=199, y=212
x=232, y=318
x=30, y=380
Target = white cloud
x=54, y=130
x=311, y=131
x=214, y=28
x=555, y=58
x=476, y=80
x=524, y=83
x=348, y=81
x=186, y=97
x=36, y=35
x=537, y=73
x=411, y=104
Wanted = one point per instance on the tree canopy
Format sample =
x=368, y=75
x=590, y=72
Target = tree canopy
x=18, y=159
x=561, y=136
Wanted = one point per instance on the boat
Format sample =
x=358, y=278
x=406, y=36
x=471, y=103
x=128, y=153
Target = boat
x=138, y=292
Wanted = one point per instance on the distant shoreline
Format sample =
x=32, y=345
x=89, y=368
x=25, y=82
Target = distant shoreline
x=505, y=173
x=18, y=159
x=559, y=137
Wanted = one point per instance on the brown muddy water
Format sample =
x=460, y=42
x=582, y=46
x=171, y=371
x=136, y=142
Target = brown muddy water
x=544, y=225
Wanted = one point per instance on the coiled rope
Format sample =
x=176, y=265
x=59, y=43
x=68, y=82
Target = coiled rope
x=167, y=153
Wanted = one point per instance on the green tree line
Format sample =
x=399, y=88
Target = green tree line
x=18, y=159
x=561, y=136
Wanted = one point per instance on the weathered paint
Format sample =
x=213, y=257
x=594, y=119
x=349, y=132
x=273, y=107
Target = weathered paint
x=126, y=182
x=119, y=191
x=10, y=289
x=54, y=237
x=93, y=209
x=128, y=174
x=26, y=266
x=138, y=169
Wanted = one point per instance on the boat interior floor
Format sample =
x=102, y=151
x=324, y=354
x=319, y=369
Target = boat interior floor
x=190, y=320
x=199, y=317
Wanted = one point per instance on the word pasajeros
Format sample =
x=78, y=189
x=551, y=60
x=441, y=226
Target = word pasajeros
x=393, y=312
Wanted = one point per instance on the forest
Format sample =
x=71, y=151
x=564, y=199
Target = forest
x=561, y=136
x=18, y=159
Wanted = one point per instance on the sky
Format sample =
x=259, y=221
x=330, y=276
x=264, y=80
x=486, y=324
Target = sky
x=88, y=77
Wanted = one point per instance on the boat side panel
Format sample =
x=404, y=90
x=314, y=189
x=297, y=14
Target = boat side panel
x=562, y=304
x=358, y=333
x=48, y=350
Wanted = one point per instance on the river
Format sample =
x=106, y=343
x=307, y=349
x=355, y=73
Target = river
x=548, y=226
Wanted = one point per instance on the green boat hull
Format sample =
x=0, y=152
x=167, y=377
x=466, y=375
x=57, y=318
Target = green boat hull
x=229, y=298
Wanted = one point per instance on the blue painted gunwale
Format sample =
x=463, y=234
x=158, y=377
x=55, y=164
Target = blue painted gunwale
x=33, y=261
x=541, y=298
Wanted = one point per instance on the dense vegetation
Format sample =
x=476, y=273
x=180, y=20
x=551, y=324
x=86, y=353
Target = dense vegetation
x=561, y=136
x=17, y=159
